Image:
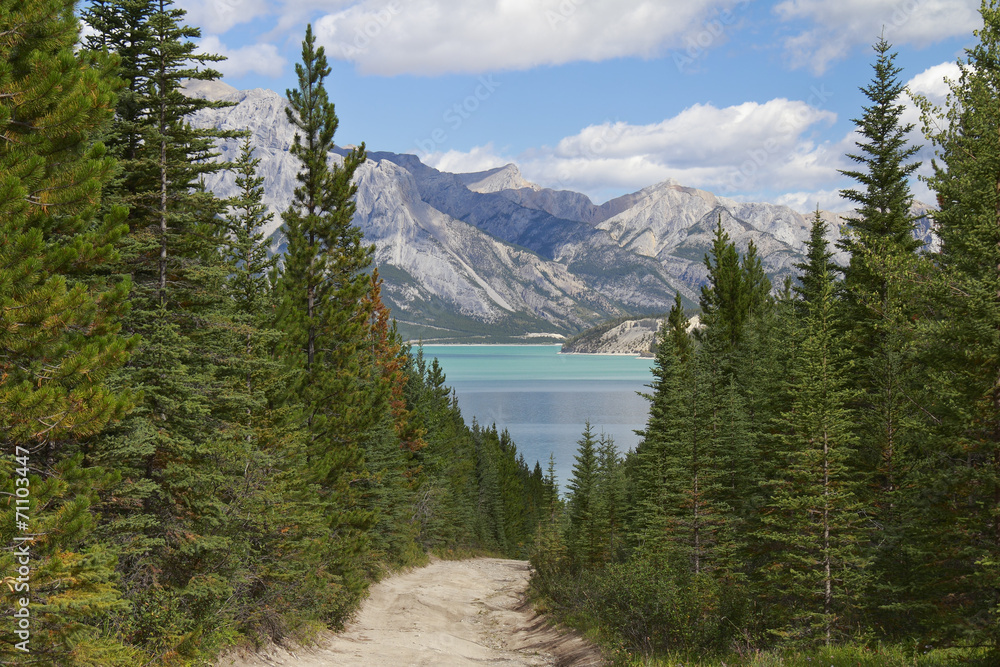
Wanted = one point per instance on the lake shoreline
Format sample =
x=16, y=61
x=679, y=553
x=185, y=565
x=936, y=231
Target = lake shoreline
x=544, y=397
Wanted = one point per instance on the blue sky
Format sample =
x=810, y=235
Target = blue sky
x=747, y=99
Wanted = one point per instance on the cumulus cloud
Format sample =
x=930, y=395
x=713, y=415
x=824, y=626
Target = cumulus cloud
x=391, y=37
x=932, y=84
x=845, y=25
x=933, y=81
x=480, y=158
x=729, y=150
x=261, y=59
x=218, y=16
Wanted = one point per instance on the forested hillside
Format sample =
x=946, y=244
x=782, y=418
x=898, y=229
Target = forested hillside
x=820, y=473
x=202, y=445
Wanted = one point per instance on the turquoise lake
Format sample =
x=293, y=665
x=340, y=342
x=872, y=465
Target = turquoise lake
x=543, y=398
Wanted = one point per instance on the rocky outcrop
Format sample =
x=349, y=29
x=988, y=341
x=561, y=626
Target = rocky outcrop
x=633, y=337
x=491, y=256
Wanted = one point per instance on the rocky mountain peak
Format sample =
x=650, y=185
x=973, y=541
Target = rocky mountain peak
x=507, y=177
x=490, y=256
x=207, y=90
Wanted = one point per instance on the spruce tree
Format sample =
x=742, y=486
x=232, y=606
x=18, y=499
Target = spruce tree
x=957, y=489
x=610, y=495
x=723, y=297
x=389, y=453
x=818, y=269
x=884, y=157
x=549, y=553
x=245, y=247
x=322, y=289
x=736, y=297
x=816, y=577
x=166, y=520
x=583, y=537
x=882, y=245
x=667, y=455
x=256, y=448
x=60, y=332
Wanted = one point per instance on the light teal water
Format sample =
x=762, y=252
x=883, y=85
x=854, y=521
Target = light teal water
x=544, y=398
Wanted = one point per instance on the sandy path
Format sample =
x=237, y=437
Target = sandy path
x=469, y=612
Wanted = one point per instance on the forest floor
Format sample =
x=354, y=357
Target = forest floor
x=449, y=613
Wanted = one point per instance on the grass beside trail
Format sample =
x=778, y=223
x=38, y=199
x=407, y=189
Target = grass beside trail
x=871, y=654
x=842, y=656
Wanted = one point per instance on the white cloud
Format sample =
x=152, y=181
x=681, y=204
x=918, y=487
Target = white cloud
x=731, y=150
x=931, y=82
x=261, y=59
x=480, y=158
x=843, y=25
x=435, y=36
x=218, y=16
x=805, y=202
x=932, y=85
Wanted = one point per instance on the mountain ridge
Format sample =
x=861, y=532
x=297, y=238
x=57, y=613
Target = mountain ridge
x=490, y=256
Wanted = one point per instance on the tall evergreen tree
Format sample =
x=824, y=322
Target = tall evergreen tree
x=322, y=290
x=584, y=537
x=881, y=241
x=669, y=459
x=60, y=336
x=884, y=157
x=736, y=297
x=723, y=298
x=166, y=519
x=610, y=494
x=818, y=269
x=816, y=576
x=959, y=480
x=256, y=447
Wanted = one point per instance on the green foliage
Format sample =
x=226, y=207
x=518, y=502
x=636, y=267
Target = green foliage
x=323, y=313
x=736, y=291
x=641, y=607
x=880, y=335
x=60, y=332
x=584, y=537
x=222, y=446
x=957, y=485
x=884, y=157
x=821, y=468
x=915, y=654
x=813, y=520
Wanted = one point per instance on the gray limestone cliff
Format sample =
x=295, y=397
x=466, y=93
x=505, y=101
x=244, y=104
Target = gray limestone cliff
x=490, y=256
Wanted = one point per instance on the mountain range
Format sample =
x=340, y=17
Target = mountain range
x=489, y=256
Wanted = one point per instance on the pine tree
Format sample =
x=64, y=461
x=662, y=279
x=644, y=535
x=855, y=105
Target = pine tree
x=881, y=243
x=818, y=269
x=449, y=495
x=256, y=448
x=322, y=289
x=669, y=437
x=60, y=331
x=246, y=248
x=884, y=204
x=548, y=556
x=389, y=453
x=610, y=493
x=736, y=297
x=166, y=519
x=723, y=298
x=584, y=539
x=957, y=489
x=816, y=577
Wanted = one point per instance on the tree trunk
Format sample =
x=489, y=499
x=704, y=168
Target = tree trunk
x=827, y=574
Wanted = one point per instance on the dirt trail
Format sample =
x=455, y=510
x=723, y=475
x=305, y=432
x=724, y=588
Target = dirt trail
x=450, y=613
